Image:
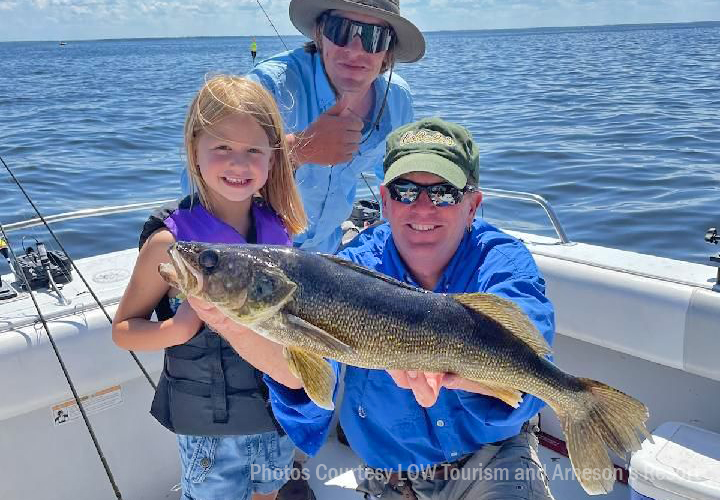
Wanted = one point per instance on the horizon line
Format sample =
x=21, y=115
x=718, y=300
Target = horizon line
x=425, y=32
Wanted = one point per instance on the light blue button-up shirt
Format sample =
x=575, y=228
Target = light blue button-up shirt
x=302, y=90
x=300, y=85
x=383, y=423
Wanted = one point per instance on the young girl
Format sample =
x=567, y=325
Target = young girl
x=213, y=399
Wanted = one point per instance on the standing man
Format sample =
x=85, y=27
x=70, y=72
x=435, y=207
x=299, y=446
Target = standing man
x=340, y=99
x=253, y=50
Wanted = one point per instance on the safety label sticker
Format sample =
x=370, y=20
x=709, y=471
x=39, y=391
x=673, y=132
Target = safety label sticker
x=104, y=399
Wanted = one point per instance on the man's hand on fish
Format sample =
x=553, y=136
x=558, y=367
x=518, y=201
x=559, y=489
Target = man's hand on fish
x=426, y=385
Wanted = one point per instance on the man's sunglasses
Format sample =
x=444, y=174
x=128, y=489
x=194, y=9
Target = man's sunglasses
x=442, y=194
x=341, y=31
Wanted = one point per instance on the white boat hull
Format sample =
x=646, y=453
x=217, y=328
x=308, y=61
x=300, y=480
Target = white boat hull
x=645, y=325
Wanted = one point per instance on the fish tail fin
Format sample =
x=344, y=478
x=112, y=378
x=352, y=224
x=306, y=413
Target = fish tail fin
x=606, y=418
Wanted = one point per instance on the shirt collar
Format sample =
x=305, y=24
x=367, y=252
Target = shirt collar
x=326, y=95
x=395, y=266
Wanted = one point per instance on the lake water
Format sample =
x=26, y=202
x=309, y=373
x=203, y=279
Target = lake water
x=618, y=127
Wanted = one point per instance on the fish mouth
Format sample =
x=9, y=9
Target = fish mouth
x=180, y=274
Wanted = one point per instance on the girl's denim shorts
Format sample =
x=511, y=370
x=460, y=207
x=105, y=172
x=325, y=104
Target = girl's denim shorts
x=234, y=467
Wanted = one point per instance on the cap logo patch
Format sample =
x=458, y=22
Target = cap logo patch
x=424, y=136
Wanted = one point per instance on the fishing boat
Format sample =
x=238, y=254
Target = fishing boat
x=644, y=324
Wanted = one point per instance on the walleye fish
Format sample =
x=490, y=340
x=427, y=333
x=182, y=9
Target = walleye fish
x=320, y=306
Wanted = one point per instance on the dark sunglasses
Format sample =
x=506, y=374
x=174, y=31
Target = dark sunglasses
x=341, y=31
x=442, y=194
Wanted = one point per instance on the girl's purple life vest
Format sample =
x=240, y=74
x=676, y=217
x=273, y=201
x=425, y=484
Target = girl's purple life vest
x=205, y=388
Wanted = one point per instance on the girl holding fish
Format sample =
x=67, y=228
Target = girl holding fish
x=214, y=399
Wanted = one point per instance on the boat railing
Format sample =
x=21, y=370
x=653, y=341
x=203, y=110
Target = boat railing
x=117, y=209
x=87, y=212
x=535, y=198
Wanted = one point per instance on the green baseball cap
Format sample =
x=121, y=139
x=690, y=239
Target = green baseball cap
x=436, y=146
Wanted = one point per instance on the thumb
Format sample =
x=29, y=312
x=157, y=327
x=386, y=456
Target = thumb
x=340, y=106
x=198, y=303
x=434, y=380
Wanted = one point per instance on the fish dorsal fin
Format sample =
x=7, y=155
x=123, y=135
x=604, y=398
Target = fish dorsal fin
x=370, y=272
x=509, y=315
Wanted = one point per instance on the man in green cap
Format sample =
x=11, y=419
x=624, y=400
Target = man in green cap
x=434, y=435
x=446, y=437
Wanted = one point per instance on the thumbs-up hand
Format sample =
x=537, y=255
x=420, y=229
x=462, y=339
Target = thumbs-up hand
x=333, y=138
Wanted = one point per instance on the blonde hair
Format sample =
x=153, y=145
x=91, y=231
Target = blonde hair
x=225, y=95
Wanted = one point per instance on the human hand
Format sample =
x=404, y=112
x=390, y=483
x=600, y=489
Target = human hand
x=334, y=137
x=426, y=385
x=263, y=354
x=186, y=322
x=216, y=319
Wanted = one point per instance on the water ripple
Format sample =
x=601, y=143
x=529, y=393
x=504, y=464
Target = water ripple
x=619, y=127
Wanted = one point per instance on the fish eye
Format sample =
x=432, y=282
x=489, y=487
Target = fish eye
x=208, y=260
x=263, y=287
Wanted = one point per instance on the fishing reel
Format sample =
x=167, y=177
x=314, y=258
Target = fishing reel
x=712, y=237
x=41, y=265
x=365, y=212
x=6, y=291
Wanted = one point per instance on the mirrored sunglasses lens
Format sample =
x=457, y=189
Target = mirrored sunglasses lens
x=444, y=195
x=375, y=38
x=341, y=31
x=337, y=30
x=404, y=193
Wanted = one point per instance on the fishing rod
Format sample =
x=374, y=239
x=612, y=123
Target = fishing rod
x=72, y=262
x=362, y=174
x=20, y=273
x=271, y=24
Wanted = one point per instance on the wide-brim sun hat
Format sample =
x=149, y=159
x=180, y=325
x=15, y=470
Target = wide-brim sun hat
x=409, y=41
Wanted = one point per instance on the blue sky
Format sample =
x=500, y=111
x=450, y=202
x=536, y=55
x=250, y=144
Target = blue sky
x=91, y=19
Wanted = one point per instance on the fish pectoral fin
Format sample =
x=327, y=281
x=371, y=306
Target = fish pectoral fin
x=291, y=363
x=317, y=375
x=317, y=334
x=503, y=393
x=509, y=315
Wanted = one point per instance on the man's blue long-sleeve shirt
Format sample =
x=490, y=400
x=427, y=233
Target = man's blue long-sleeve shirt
x=383, y=423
